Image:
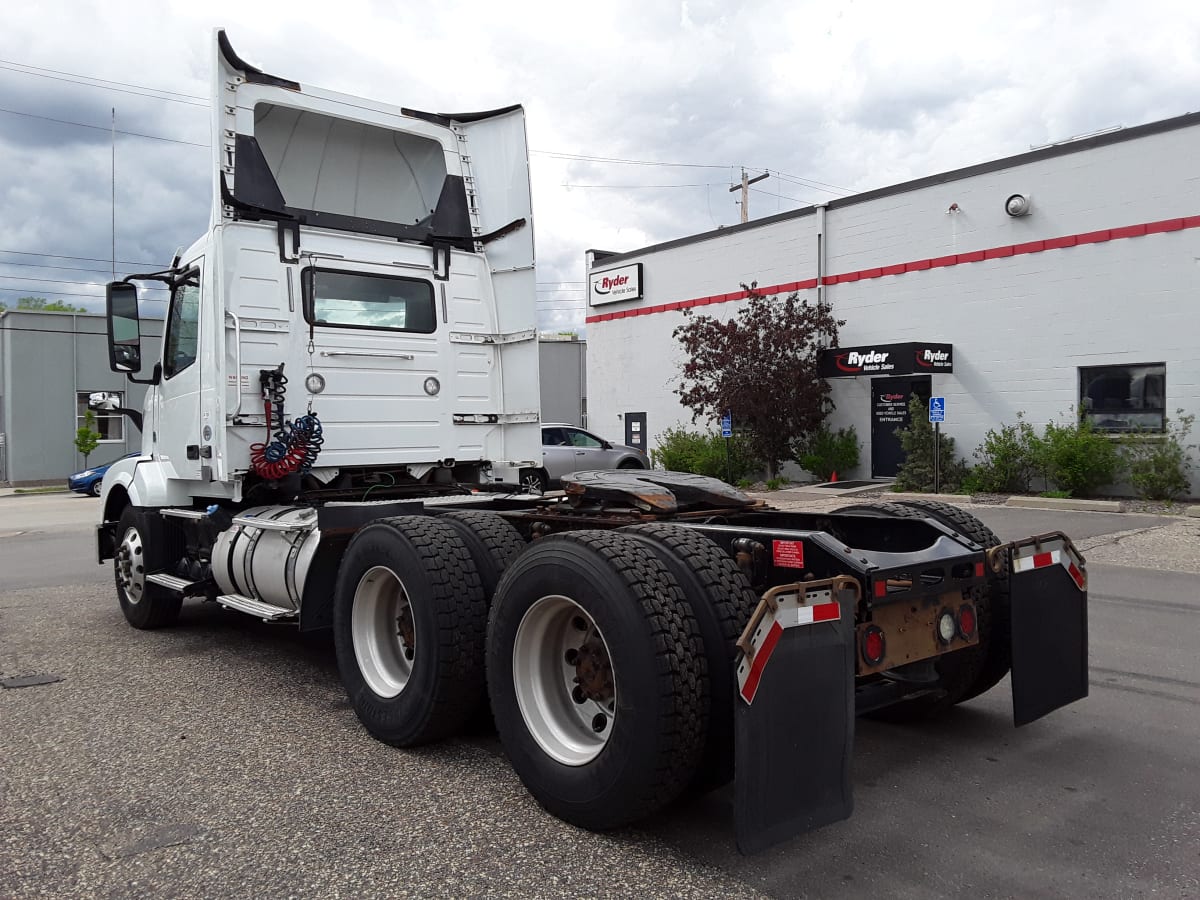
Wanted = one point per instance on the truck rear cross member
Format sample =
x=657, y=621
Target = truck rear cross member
x=640, y=636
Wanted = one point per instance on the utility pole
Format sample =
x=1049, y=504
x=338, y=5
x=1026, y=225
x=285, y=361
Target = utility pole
x=744, y=187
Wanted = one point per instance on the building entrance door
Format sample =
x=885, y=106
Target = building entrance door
x=889, y=411
x=635, y=430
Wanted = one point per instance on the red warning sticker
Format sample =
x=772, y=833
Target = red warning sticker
x=789, y=554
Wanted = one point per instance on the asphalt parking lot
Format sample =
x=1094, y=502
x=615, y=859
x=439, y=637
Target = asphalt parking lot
x=220, y=758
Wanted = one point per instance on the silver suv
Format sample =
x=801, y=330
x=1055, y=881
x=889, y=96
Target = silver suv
x=569, y=448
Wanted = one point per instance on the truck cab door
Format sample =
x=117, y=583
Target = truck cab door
x=177, y=436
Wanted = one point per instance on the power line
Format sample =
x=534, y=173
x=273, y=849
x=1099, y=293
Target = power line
x=630, y=187
x=43, y=266
x=10, y=62
x=153, y=137
x=124, y=262
x=628, y=162
x=18, y=290
x=138, y=90
x=78, y=79
x=809, y=182
x=782, y=196
x=64, y=281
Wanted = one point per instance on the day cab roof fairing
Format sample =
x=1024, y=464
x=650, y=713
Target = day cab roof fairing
x=299, y=155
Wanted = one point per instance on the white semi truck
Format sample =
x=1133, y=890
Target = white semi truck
x=334, y=435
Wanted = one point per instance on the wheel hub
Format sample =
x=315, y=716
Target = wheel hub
x=564, y=679
x=131, y=566
x=383, y=631
x=593, y=670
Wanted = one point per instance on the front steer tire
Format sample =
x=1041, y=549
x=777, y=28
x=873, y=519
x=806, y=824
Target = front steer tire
x=145, y=544
x=620, y=598
x=409, y=621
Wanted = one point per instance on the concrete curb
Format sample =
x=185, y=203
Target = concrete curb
x=1193, y=511
x=1107, y=506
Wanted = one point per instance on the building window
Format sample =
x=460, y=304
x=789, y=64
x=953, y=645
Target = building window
x=1124, y=398
x=111, y=425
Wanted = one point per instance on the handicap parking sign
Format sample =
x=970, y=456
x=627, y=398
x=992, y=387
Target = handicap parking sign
x=937, y=409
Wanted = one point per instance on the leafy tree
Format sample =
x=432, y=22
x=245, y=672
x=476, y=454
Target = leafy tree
x=87, y=437
x=41, y=304
x=762, y=366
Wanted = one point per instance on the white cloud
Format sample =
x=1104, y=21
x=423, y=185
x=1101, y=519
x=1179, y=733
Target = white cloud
x=852, y=93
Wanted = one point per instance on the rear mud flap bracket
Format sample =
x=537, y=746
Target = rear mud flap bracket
x=794, y=715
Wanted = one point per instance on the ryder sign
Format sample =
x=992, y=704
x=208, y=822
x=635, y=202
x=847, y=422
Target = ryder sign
x=614, y=285
x=913, y=358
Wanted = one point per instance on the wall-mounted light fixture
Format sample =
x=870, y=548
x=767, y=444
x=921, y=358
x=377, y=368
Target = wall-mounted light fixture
x=1018, y=205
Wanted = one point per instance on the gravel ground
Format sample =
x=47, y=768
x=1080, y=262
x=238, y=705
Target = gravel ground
x=155, y=768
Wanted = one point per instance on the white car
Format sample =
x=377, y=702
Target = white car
x=569, y=448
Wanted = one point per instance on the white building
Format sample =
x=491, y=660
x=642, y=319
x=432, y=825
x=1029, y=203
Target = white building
x=1064, y=278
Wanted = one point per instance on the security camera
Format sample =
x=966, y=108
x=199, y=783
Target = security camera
x=1018, y=205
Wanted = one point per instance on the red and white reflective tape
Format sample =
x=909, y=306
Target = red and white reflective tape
x=789, y=614
x=1051, y=553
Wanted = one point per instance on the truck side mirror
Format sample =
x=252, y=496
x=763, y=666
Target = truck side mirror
x=124, y=328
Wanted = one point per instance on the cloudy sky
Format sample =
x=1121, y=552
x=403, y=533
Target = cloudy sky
x=640, y=114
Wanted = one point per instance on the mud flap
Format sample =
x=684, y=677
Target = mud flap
x=1049, y=627
x=794, y=716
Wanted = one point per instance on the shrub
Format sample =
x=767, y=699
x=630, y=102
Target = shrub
x=1076, y=458
x=917, y=440
x=774, y=484
x=681, y=450
x=917, y=472
x=828, y=451
x=1159, y=464
x=1008, y=459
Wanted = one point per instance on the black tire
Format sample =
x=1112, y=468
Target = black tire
x=492, y=542
x=94, y=489
x=145, y=544
x=995, y=608
x=631, y=464
x=534, y=480
x=723, y=601
x=656, y=654
x=883, y=509
x=448, y=615
x=958, y=672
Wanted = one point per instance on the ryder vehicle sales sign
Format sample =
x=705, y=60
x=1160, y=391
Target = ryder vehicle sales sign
x=912, y=358
x=614, y=285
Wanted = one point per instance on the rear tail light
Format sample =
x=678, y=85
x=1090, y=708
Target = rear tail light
x=946, y=626
x=874, y=645
x=966, y=621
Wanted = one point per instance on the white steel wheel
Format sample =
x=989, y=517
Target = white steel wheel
x=564, y=680
x=383, y=632
x=131, y=566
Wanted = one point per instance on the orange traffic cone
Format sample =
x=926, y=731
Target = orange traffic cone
x=833, y=478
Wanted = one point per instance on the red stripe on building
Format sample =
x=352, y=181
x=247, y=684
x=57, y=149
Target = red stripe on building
x=1058, y=243
x=750, y=688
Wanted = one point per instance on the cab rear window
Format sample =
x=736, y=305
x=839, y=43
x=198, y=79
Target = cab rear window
x=358, y=300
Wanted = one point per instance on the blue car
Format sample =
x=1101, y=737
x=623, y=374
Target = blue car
x=88, y=481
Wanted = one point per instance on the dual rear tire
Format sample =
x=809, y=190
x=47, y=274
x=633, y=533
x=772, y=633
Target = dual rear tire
x=608, y=655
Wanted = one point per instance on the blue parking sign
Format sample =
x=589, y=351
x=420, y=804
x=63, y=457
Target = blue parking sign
x=727, y=425
x=937, y=409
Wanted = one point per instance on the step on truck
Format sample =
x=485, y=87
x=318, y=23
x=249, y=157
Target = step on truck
x=336, y=427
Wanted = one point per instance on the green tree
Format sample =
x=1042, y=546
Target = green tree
x=761, y=365
x=87, y=437
x=41, y=304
